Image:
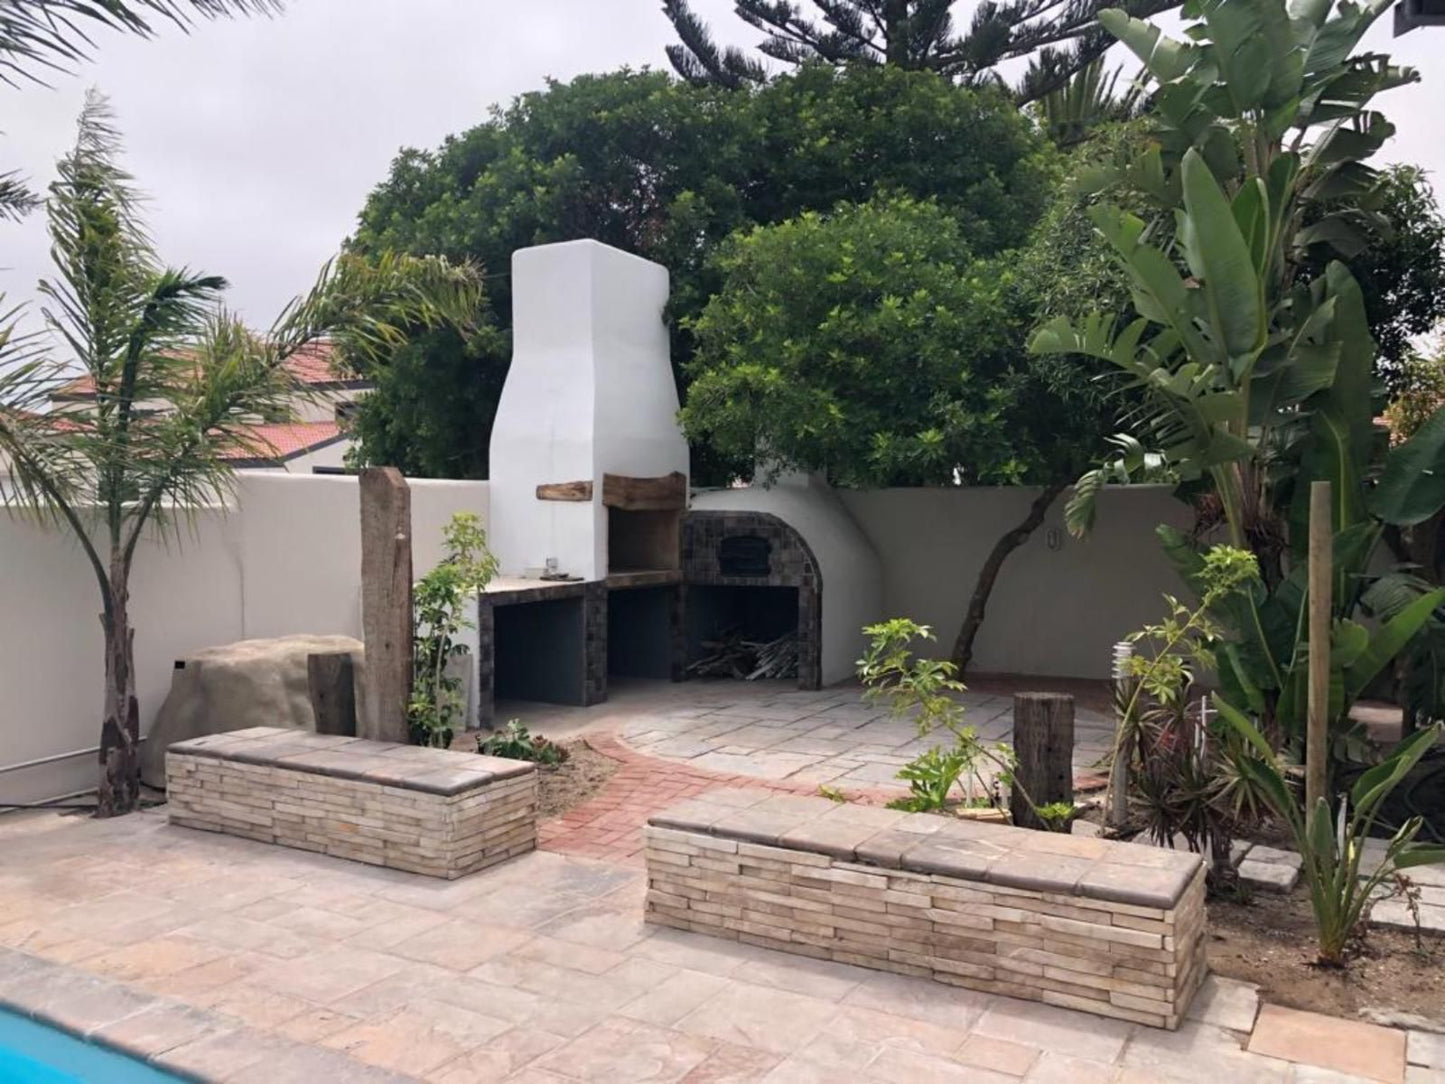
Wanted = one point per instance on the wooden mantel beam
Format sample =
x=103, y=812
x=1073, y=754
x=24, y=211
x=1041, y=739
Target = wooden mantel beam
x=565, y=491
x=664, y=494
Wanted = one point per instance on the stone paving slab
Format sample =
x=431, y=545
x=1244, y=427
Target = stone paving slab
x=1343, y=1046
x=164, y=1031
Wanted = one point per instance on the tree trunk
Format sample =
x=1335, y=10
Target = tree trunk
x=895, y=30
x=119, y=786
x=983, y=586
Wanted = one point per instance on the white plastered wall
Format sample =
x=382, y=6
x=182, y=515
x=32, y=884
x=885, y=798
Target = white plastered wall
x=1053, y=611
x=285, y=558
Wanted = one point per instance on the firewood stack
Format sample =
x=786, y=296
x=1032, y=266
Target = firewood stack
x=730, y=655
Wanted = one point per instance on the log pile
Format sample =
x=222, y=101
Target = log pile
x=730, y=655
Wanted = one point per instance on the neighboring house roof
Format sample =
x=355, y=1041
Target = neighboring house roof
x=315, y=365
x=285, y=440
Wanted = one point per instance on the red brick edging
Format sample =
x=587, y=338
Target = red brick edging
x=609, y=826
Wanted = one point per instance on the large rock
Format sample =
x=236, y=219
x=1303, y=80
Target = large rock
x=250, y=683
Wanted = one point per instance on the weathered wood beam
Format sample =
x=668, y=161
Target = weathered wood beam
x=565, y=491
x=1043, y=739
x=386, y=618
x=645, y=494
x=330, y=680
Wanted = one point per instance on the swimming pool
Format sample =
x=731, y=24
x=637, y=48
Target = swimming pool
x=32, y=1053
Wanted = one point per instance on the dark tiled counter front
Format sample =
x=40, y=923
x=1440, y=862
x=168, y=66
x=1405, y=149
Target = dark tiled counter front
x=1110, y=928
x=427, y=811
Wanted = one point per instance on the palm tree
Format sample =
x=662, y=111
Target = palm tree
x=176, y=380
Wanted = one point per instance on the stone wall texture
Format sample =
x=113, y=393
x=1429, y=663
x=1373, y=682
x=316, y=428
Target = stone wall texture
x=791, y=564
x=425, y=811
x=786, y=872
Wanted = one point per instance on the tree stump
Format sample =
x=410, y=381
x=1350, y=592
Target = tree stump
x=1043, y=739
x=330, y=680
x=386, y=618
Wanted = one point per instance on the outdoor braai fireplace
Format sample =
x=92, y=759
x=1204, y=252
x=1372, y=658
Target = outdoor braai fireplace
x=608, y=570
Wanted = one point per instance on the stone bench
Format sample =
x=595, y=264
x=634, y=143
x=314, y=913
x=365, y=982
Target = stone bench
x=1110, y=928
x=427, y=811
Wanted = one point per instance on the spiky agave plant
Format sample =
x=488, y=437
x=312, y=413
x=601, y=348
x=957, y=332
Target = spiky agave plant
x=172, y=383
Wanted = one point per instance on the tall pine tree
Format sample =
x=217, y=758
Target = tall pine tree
x=1058, y=38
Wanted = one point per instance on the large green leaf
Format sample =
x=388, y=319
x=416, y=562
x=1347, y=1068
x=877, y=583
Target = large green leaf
x=1374, y=785
x=1412, y=487
x=1219, y=255
x=1165, y=58
x=1420, y=854
x=1241, y=50
x=1389, y=641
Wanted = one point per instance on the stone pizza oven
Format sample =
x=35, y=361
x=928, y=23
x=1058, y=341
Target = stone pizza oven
x=608, y=565
x=753, y=572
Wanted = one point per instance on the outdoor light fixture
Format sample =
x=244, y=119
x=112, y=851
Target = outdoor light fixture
x=1410, y=14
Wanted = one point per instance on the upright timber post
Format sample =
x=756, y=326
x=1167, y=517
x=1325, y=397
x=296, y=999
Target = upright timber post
x=1044, y=744
x=386, y=618
x=1321, y=581
x=330, y=680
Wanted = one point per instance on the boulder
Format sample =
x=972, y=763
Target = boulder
x=240, y=685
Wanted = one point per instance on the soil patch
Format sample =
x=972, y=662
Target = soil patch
x=578, y=778
x=1270, y=941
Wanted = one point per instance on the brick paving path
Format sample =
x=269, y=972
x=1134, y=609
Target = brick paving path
x=609, y=826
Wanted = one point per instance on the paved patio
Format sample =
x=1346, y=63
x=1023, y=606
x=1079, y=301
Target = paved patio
x=770, y=730
x=238, y=961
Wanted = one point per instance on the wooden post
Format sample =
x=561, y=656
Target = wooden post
x=1321, y=580
x=330, y=680
x=1044, y=743
x=386, y=618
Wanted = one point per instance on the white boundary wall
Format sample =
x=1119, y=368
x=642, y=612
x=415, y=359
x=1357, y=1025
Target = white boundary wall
x=284, y=559
x=1053, y=612
x=287, y=557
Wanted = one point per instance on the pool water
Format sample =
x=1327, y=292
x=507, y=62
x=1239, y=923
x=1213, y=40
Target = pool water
x=32, y=1053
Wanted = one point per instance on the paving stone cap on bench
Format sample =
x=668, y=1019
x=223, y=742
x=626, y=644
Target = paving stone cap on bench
x=409, y=767
x=1044, y=862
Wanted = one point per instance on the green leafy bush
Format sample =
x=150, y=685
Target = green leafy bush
x=515, y=742
x=438, y=616
x=1183, y=781
x=921, y=689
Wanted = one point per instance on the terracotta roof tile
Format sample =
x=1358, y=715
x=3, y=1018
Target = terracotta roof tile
x=287, y=439
x=312, y=365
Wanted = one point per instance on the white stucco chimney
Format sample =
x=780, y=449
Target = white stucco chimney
x=590, y=392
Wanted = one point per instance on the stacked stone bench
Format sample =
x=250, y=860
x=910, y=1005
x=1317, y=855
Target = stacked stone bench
x=1105, y=927
x=427, y=811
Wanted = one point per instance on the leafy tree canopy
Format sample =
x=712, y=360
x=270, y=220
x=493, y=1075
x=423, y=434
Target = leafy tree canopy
x=866, y=343
x=666, y=170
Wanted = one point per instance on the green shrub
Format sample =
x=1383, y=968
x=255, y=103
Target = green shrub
x=514, y=742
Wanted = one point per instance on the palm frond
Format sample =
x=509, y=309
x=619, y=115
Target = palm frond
x=367, y=305
x=37, y=36
x=16, y=198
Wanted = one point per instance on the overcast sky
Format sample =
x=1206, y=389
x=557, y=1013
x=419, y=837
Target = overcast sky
x=259, y=139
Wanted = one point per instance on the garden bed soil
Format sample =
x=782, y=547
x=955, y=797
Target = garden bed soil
x=1270, y=941
x=578, y=778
